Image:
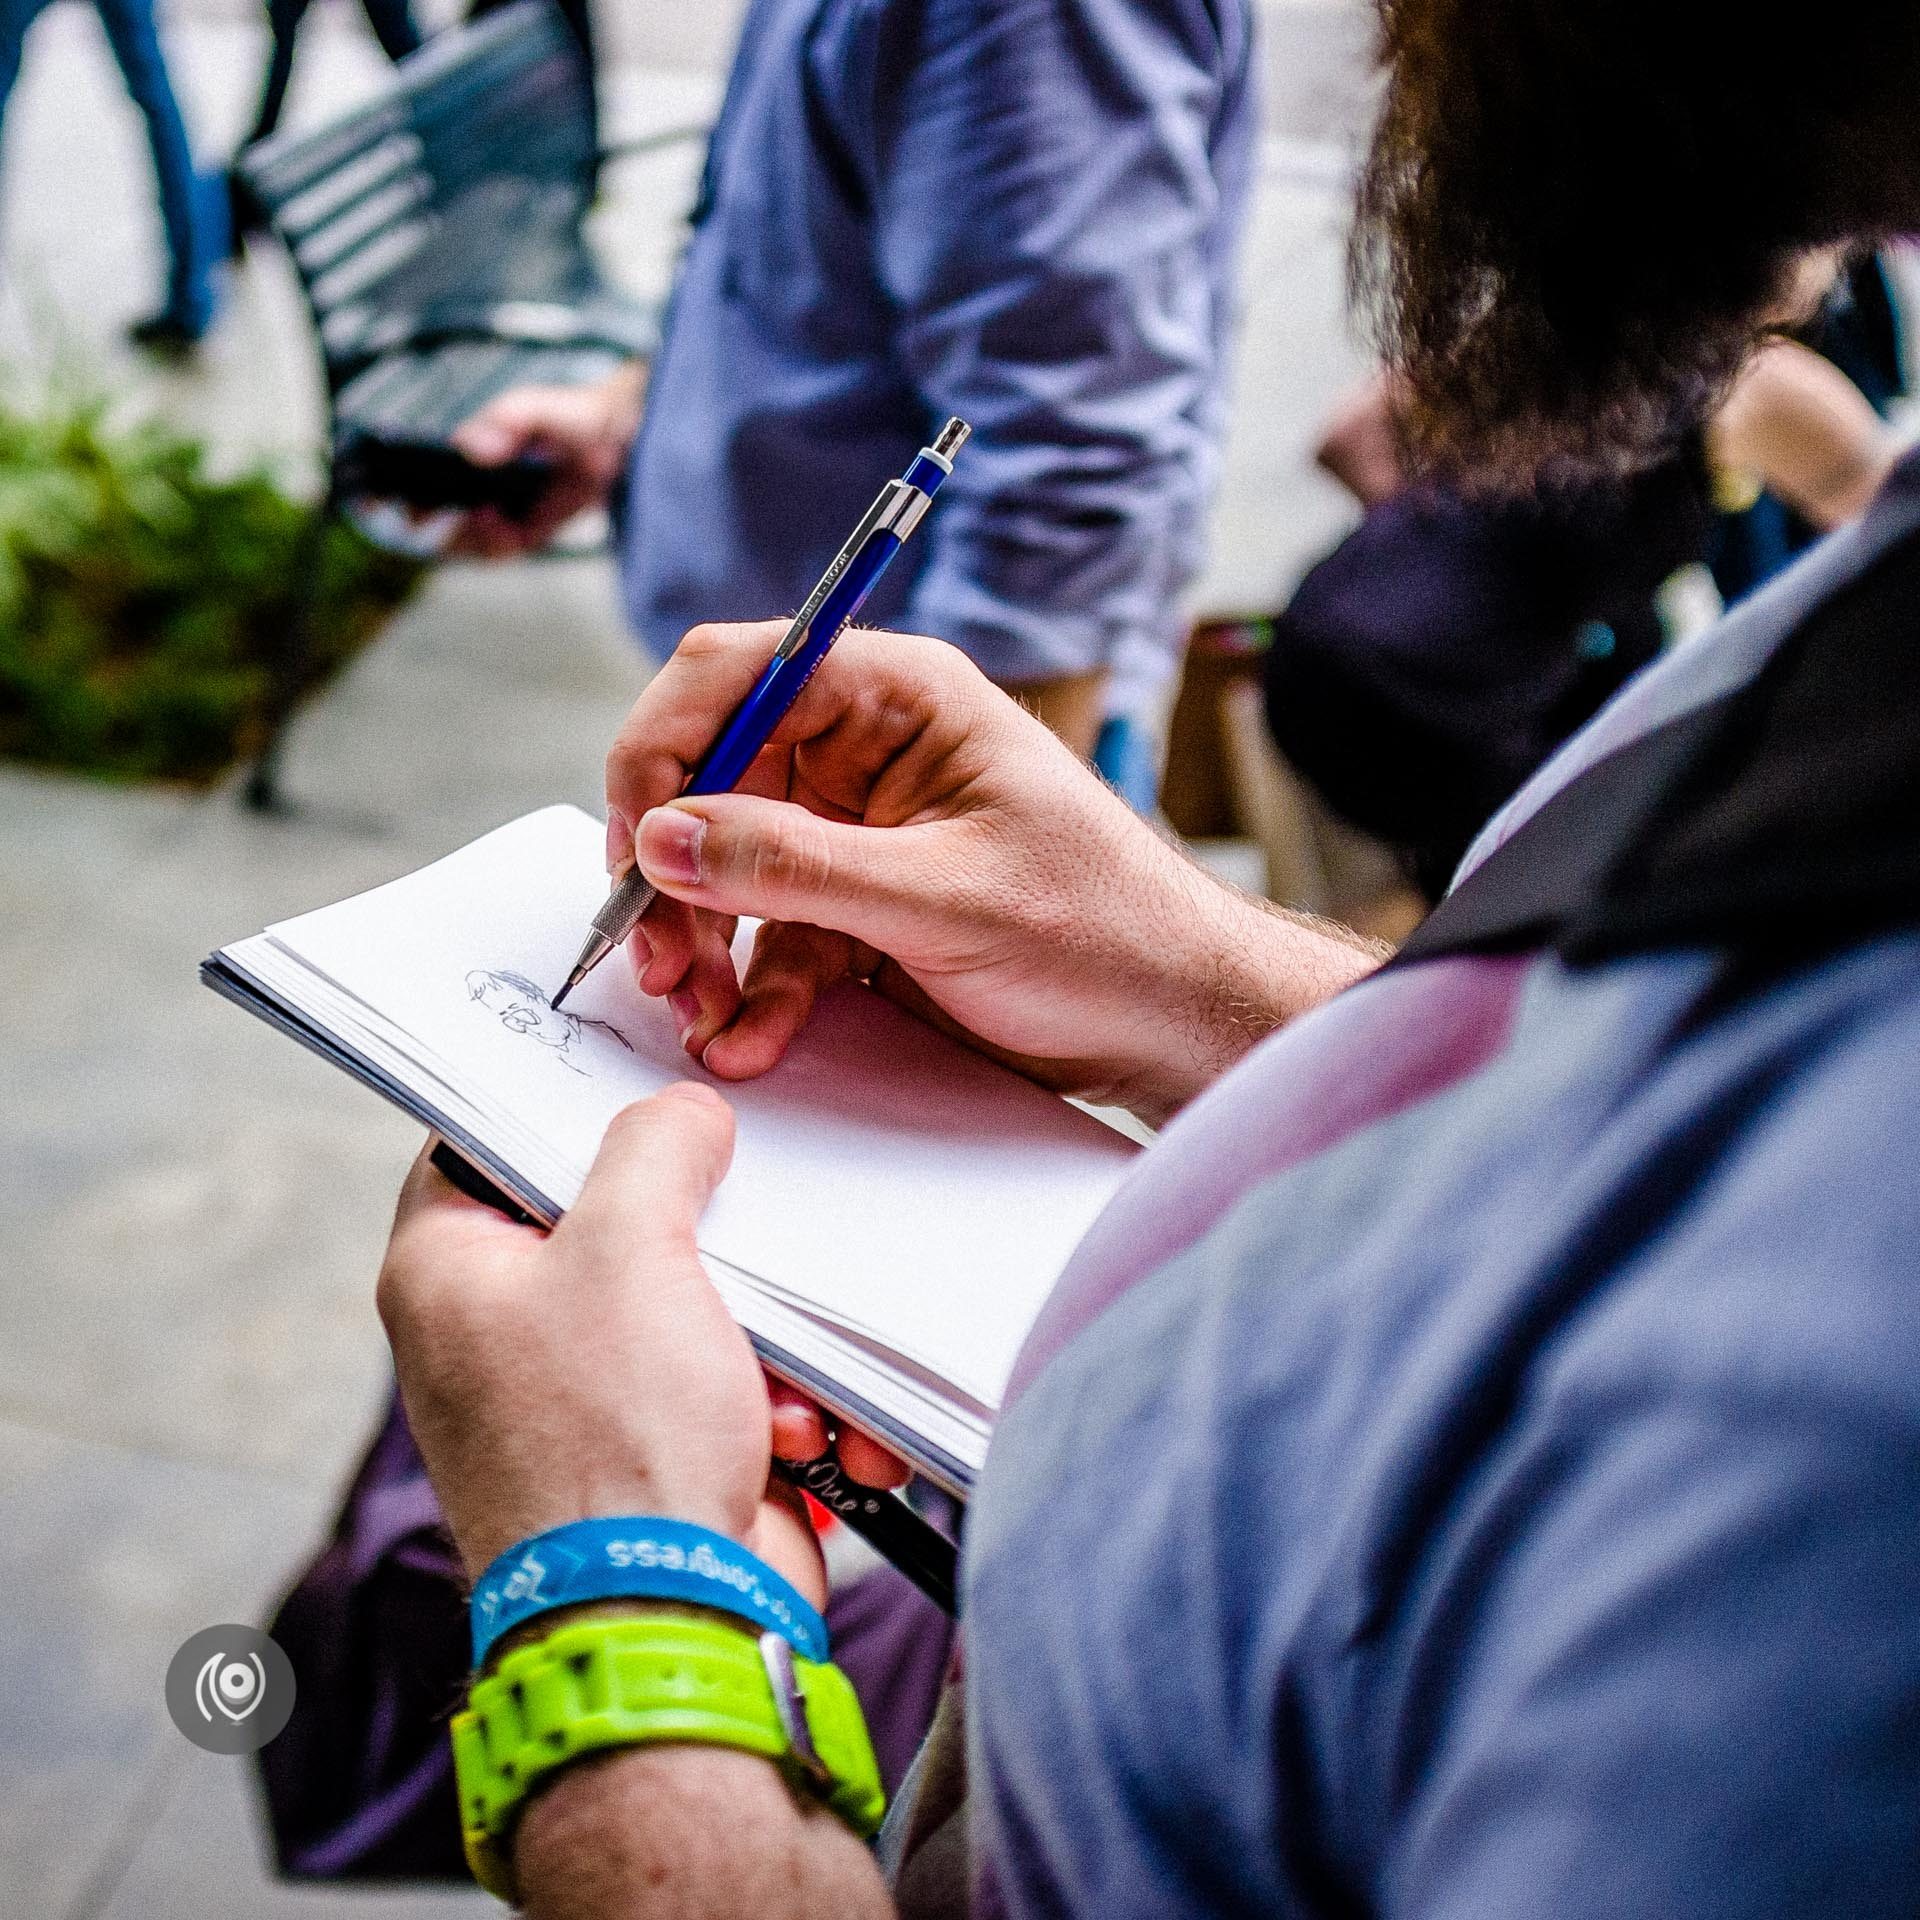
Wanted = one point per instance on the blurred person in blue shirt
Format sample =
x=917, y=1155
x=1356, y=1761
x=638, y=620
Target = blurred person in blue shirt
x=1023, y=212
x=192, y=209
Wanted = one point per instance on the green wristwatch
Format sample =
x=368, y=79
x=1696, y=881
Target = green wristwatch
x=634, y=1680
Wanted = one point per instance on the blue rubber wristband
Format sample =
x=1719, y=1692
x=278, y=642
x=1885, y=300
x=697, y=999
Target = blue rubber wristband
x=639, y=1559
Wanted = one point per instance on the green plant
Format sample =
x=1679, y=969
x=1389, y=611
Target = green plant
x=141, y=597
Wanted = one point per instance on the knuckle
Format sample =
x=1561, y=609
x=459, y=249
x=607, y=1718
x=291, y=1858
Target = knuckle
x=711, y=640
x=715, y=640
x=954, y=667
x=640, y=773
x=629, y=744
x=633, y=1127
x=794, y=857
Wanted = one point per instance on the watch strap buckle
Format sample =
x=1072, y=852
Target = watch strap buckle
x=789, y=1703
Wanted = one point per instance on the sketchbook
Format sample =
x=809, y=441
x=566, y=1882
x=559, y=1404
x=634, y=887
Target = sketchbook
x=898, y=1207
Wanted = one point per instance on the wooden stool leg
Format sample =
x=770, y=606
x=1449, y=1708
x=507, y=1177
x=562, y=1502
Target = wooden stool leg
x=1270, y=802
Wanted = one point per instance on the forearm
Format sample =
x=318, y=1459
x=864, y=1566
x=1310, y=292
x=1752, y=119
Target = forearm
x=689, y=1833
x=1806, y=432
x=1232, y=970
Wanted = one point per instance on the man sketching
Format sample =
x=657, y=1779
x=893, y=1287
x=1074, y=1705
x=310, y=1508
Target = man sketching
x=1470, y=1470
x=1022, y=212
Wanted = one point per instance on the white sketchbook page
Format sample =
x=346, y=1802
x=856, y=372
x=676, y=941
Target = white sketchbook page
x=883, y=1175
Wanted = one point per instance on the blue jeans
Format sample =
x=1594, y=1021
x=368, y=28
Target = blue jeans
x=191, y=210
x=1127, y=757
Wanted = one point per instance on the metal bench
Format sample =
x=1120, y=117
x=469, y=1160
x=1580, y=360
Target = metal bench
x=438, y=236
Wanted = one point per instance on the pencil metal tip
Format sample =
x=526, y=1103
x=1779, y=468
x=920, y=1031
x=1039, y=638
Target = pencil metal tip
x=597, y=948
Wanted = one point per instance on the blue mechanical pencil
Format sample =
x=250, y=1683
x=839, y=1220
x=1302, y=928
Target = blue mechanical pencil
x=924, y=1554
x=830, y=607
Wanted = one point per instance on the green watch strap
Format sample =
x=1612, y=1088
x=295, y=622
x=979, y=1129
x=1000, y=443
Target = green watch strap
x=639, y=1679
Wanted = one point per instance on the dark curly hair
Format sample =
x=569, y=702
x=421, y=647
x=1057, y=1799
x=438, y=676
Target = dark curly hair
x=1577, y=215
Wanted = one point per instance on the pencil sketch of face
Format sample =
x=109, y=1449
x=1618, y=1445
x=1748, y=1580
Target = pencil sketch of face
x=521, y=1007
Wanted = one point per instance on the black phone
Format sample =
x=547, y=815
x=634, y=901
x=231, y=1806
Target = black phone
x=434, y=476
